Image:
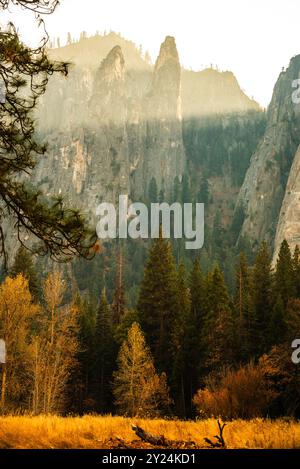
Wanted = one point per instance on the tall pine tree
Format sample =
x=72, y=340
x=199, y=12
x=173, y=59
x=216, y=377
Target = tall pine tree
x=284, y=274
x=181, y=343
x=296, y=269
x=158, y=301
x=262, y=298
x=243, y=301
x=105, y=354
x=218, y=331
x=198, y=292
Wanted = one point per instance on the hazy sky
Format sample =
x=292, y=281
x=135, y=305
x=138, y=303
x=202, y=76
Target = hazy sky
x=252, y=38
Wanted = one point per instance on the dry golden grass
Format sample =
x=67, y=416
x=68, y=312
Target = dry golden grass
x=92, y=432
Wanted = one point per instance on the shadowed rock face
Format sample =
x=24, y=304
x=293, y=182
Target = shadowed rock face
x=265, y=183
x=288, y=226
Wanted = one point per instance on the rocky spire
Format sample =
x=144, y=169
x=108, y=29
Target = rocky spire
x=165, y=90
x=168, y=54
x=164, y=153
x=108, y=99
x=112, y=68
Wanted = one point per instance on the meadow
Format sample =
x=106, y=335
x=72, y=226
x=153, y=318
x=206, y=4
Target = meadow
x=96, y=432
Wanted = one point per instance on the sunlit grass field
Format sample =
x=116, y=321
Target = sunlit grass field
x=95, y=432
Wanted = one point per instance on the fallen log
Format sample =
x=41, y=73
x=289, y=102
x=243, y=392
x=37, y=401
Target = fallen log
x=149, y=438
x=160, y=440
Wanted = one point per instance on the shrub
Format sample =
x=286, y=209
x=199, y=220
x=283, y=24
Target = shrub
x=242, y=393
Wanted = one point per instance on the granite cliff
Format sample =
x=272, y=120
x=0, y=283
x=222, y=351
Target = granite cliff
x=269, y=193
x=112, y=128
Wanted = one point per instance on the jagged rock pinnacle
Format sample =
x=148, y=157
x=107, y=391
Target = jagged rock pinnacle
x=166, y=83
x=112, y=68
x=109, y=88
x=168, y=52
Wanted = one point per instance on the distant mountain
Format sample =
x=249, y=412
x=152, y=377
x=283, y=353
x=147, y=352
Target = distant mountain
x=89, y=52
x=211, y=92
x=203, y=93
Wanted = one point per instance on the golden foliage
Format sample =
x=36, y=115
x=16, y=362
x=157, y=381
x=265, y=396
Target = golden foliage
x=17, y=313
x=138, y=389
x=242, y=393
x=53, y=349
x=41, y=344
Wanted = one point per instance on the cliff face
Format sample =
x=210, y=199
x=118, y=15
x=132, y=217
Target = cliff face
x=289, y=218
x=113, y=132
x=264, y=186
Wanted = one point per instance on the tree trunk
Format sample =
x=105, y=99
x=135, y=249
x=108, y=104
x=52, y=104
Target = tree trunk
x=3, y=387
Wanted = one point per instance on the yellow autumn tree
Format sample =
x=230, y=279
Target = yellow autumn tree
x=138, y=389
x=54, y=348
x=17, y=312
